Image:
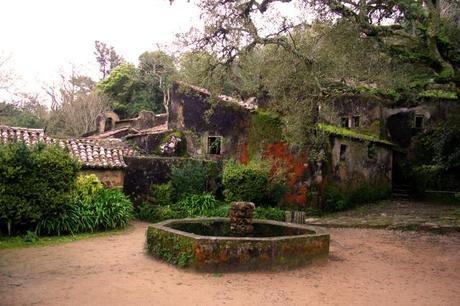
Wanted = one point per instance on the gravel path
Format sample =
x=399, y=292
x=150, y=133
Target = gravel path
x=365, y=267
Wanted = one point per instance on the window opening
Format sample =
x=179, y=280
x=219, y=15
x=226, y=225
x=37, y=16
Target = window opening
x=419, y=121
x=214, y=145
x=343, y=152
x=355, y=121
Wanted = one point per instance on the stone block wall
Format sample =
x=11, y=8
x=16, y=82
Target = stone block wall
x=111, y=178
x=143, y=172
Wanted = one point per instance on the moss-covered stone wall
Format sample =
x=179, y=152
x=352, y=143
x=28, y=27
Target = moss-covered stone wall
x=211, y=254
x=142, y=172
x=199, y=115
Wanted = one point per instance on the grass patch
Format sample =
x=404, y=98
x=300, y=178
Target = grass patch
x=344, y=132
x=19, y=241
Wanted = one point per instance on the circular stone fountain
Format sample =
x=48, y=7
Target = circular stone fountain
x=236, y=243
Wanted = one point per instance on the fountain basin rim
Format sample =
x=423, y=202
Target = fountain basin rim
x=164, y=225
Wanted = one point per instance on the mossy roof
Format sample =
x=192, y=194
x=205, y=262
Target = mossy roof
x=344, y=132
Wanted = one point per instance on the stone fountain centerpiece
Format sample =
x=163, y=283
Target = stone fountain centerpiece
x=241, y=214
x=236, y=243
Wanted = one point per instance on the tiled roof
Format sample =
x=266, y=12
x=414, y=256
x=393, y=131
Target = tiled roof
x=92, y=153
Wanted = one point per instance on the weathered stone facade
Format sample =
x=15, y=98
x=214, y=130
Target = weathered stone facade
x=143, y=172
x=213, y=130
x=113, y=178
x=355, y=162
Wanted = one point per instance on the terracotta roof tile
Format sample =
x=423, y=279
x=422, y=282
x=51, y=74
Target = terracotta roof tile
x=92, y=153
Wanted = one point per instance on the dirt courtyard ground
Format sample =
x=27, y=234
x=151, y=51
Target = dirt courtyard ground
x=365, y=267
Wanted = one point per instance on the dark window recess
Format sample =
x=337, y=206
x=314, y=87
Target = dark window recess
x=344, y=122
x=108, y=124
x=355, y=121
x=418, y=122
x=371, y=152
x=343, y=152
x=214, y=144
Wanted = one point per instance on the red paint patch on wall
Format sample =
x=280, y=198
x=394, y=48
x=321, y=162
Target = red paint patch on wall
x=295, y=169
x=244, y=154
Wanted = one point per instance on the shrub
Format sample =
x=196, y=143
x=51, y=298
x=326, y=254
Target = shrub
x=90, y=209
x=163, y=194
x=269, y=213
x=35, y=182
x=152, y=213
x=196, y=204
x=277, y=184
x=334, y=200
x=457, y=196
x=245, y=182
x=113, y=209
x=219, y=211
x=88, y=186
x=190, y=178
x=366, y=193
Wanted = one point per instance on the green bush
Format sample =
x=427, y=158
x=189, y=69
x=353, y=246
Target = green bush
x=163, y=194
x=153, y=213
x=457, y=196
x=336, y=200
x=113, y=209
x=269, y=213
x=88, y=186
x=196, y=204
x=190, y=178
x=245, y=182
x=366, y=193
x=34, y=182
x=277, y=186
x=90, y=209
x=219, y=211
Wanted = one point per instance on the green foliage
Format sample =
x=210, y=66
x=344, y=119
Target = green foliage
x=245, y=182
x=153, y=213
x=196, y=204
x=457, y=196
x=190, y=178
x=32, y=115
x=337, y=200
x=163, y=194
x=366, y=193
x=90, y=209
x=277, y=186
x=266, y=127
x=350, y=133
x=440, y=94
x=269, y=213
x=30, y=237
x=437, y=162
x=334, y=200
x=34, y=182
x=88, y=186
x=130, y=93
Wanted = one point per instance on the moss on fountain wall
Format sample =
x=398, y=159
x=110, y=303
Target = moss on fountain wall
x=211, y=254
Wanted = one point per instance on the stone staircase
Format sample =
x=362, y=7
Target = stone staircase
x=401, y=192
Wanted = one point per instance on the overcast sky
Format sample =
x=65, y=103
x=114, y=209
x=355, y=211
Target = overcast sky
x=46, y=36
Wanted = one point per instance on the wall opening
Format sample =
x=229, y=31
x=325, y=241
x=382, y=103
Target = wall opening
x=356, y=121
x=344, y=122
x=343, y=152
x=418, y=124
x=214, y=145
x=108, y=124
